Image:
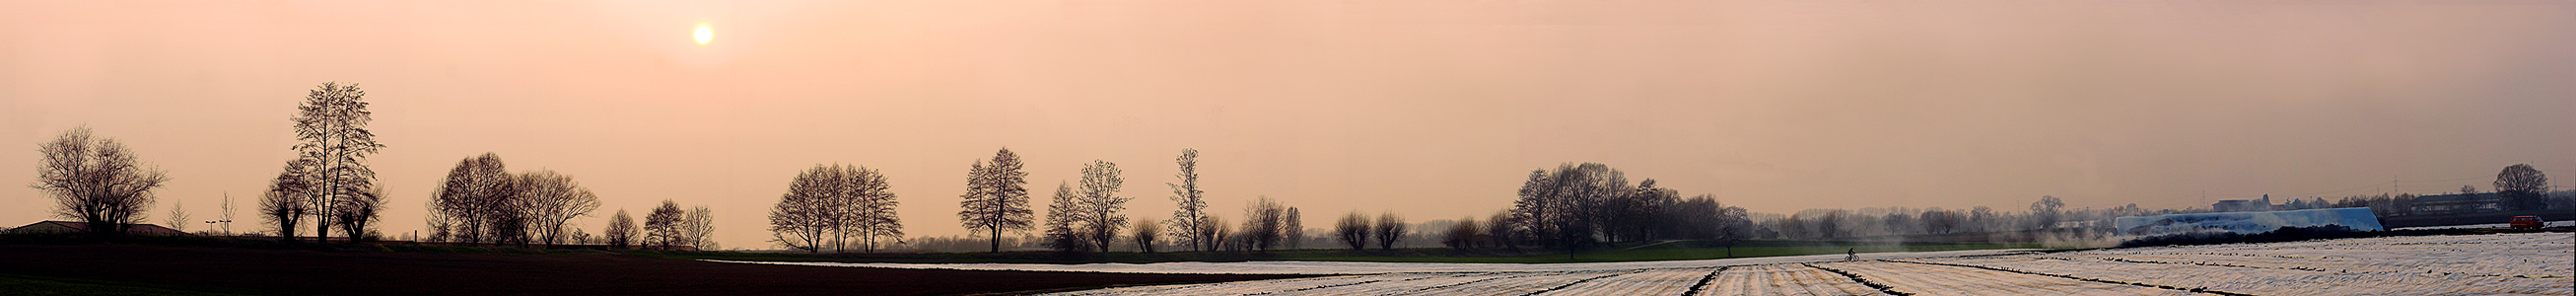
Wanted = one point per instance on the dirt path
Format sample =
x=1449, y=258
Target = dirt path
x=351, y=273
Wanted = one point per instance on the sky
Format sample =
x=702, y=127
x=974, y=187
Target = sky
x=1434, y=109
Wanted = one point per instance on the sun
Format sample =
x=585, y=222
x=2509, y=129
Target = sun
x=705, y=34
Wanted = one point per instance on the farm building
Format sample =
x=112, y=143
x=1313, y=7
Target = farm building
x=71, y=227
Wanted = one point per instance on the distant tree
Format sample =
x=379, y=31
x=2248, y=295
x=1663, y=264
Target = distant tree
x=699, y=228
x=226, y=218
x=441, y=227
x=178, y=218
x=2522, y=187
x=1100, y=201
x=1353, y=230
x=2045, y=212
x=1063, y=218
x=805, y=217
x=2468, y=189
x=1734, y=225
x=662, y=227
x=1499, y=229
x=356, y=211
x=996, y=199
x=482, y=199
x=621, y=230
x=96, y=181
x=866, y=207
x=1571, y=206
x=1147, y=233
x=1390, y=230
x=332, y=123
x=551, y=200
x=1264, y=224
x=1294, y=229
x=1462, y=234
x=282, y=206
x=1190, y=218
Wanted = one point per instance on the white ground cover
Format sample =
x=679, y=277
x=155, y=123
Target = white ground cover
x=2493, y=225
x=1311, y=267
x=2506, y=264
x=1783, y=279
x=1926, y=279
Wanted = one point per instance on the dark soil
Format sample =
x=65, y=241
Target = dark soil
x=585, y=273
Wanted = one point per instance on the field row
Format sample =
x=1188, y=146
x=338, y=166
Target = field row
x=2506, y=264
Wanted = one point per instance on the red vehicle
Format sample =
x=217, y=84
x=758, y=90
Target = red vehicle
x=2525, y=222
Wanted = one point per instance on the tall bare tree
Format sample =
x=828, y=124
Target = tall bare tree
x=1189, y=220
x=96, y=181
x=1294, y=229
x=1389, y=231
x=699, y=228
x=2522, y=187
x=1101, y=203
x=283, y=206
x=332, y=123
x=481, y=198
x=226, y=218
x=866, y=207
x=552, y=200
x=996, y=199
x=356, y=211
x=662, y=227
x=805, y=218
x=621, y=230
x=178, y=218
x=1064, y=219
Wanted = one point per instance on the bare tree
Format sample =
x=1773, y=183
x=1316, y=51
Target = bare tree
x=332, y=123
x=1262, y=224
x=480, y=199
x=2045, y=212
x=2522, y=187
x=699, y=229
x=96, y=181
x=356, y=211
x=178, y=218
x=552, y=200
x=1190, y=218
x=662, y=227
x=1064, y=218
x=1462, y=234
x=621, y=230
x=1101, y=203
x=1147, y=233
x=996, y=199
x=1390, y=230
x=1498, y=230
x=1294, y=231
x=804, y=218
x=866, y=208
x=227, y=215
x=1353, y=230
x=283, y=206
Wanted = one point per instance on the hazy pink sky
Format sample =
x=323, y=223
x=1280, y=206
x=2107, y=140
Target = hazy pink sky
x=1436, y=109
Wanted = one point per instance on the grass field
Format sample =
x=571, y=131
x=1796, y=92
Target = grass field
x=1679, y=250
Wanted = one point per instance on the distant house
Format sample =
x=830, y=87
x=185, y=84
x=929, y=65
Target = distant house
x=2245, y=205
x=2457, y=204
x=72, y=227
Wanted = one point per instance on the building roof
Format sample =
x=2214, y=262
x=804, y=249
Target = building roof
x=135, y=229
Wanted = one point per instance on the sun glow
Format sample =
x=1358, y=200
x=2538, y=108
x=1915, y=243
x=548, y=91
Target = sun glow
x=705, y=34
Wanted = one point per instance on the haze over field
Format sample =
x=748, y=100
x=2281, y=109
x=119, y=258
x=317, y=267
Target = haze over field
x=1434, y=109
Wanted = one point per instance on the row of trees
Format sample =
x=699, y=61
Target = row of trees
x=1574, y=206
x=827, y=205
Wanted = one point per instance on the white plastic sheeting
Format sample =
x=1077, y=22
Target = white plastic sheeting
x=2248, y=222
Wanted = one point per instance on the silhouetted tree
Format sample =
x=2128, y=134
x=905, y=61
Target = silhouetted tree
x=1353, y=230
x=805, y=217
x=1190, y=218
x=662, y=227
x=1147, y=233
x=96, y=181
x=1264, y=225
x=482, y=199
x=1462, y=234
x=2045, y=212
x=1101, y=203
x=551, y=200
x=1294, y=229
x=178, y=218
x=2522, y=187
x=332, y=123
x=358, y=210
x=996, y=199
x=1063, y=218
x=865, y=207
x=282, y=206
x=1499, y=230
x=1390, y=229
x=698, y=229
x=621, y=230
x=1568, y=207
